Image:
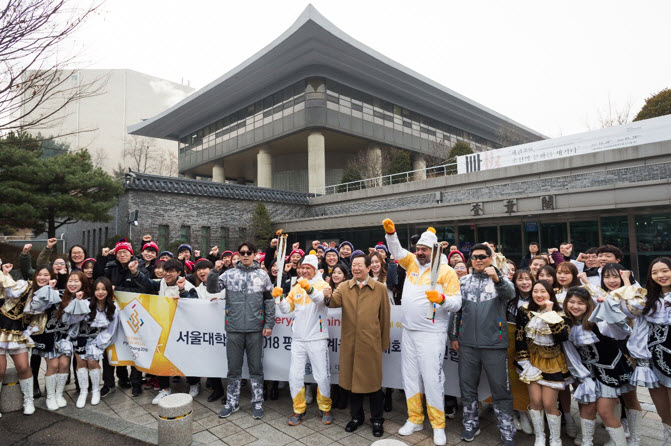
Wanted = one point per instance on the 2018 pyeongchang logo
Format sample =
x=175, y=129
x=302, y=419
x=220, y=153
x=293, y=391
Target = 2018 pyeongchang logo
x=134, y=321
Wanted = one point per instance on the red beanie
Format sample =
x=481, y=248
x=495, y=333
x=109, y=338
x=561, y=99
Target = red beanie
x=123, y=244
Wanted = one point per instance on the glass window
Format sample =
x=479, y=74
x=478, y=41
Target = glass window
x=615, y=231
x=584, y=235
x=163, y=236
x=653, y=234
x=205, y=238
x=446, y=233
x=488, y=234
x=552, y=235
x=223, y=239
x=185, y=234
x=511, y=242
x=466, y=239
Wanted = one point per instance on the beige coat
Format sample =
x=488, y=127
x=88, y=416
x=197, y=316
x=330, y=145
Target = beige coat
x=365, y=334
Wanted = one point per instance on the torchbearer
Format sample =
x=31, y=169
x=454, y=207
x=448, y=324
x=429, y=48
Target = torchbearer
x=423, y=339
x=310, y=339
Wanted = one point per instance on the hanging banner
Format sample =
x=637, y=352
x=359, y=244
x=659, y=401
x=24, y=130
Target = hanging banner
x=170, y=337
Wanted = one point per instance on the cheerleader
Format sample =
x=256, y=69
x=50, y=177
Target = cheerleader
x=54, y=344
x=596, y=357
x=540, y=329
x=94, y=325
x=14, y=335
x=650, y=342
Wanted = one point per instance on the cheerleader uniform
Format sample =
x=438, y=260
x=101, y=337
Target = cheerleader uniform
x=91, y=338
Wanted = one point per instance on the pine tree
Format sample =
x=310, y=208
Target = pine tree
x=400, y=163
x=262, y=229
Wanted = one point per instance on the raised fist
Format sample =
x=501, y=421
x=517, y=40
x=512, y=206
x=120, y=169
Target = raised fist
x=388, y=225
x=287, y=267
x=146, y=238
x=583, y=278
x=132, y=267
x=551, y=250
x=6, y=268
x=296, y=245
x=273, y=243
x=491, y=272
x=304, y=284
x=277, y=292
x=105, y=252
x=52, y=283
x=218, y=265
x=181, y=281
x=548, y=305
x=196, y=253
x=214, y=251
x=51, y=243
x=27, y=247
x=79, y=295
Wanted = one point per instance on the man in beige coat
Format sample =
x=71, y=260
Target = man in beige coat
x=365, y=335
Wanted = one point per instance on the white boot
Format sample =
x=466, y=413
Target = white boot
x=83, y=378
x=95, y=386
x=409, y=428
x=27, y=389
x=439, y=437
x=50, y=384
x=525, y=423
x=570, y=426
x=60, y=386
x=554, y=426
x=587, y=427
x=538, y=422
x=634, y=417
x=617, y=436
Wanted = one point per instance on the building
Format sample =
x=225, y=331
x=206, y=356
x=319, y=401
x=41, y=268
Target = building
x=290, y=116
x=98, y=122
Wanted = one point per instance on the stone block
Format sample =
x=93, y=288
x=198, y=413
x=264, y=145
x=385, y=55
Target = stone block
x=11, y=397
x=175, y=422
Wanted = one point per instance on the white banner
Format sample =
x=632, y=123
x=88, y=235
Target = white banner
x=195, y=342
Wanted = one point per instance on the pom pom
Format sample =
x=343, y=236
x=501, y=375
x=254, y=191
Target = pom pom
x=431, y=229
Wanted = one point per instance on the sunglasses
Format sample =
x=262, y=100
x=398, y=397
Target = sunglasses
x=480, y=257
x=246, y=253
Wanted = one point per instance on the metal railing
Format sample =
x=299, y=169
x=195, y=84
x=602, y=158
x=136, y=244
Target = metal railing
x=387, y=180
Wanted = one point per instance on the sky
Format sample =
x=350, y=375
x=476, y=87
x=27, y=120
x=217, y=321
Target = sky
x=554, y=67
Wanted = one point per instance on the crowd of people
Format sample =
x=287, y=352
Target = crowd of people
x=569, y=327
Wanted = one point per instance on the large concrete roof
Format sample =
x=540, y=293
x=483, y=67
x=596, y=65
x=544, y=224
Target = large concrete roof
x=313, y=46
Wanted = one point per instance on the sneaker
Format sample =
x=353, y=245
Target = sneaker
x=507, y=442
x=450, y=412
x=439, y=437
x=257, y=411
x=327, y=418
x=468, y=434
x=228, y=410
x=150, y=383
x=161, y=394
x=296, y=418
x=106, y=391
x=194, y=390
x=157, y=387
x=409, y=428
x=137, y=390
x=124, y=384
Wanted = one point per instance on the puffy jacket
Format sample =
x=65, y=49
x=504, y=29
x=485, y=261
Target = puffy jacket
x=249, y=305
x=120, y=276
x=310, y=313
x=481, y=323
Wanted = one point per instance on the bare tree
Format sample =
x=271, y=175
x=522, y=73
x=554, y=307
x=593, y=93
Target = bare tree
x=141, y=154
x=166, y=164
x=35, y=85
x=612, y=115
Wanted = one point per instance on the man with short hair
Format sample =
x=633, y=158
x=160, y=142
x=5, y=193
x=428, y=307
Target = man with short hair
x=310, y=339
x=482, y=344
x=364, y=337
x=250, y=310
x=423, y=340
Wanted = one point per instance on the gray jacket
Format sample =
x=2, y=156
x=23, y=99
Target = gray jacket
x=249, y=305
x=482, y=322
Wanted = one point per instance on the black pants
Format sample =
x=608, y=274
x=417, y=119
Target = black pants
x=135, y=375
x=35, y=362
x=376, y=406
x=164, y=381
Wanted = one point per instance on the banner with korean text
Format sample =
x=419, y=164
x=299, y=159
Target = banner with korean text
x=170, y=337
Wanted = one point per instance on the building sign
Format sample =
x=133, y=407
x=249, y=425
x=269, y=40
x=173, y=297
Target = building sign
x=531, y=226
x=627, y=135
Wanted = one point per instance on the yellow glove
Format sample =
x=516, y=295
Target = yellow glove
x=304, y=284
x=277, y=292
x=389, y=227
x=435, y=297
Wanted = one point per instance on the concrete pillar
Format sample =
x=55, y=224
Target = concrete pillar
x=419, y=162
x=175, y=420
x=316, y=163
x=190, y=176
x=264, y=168
x=374, y=161
x=218, y=172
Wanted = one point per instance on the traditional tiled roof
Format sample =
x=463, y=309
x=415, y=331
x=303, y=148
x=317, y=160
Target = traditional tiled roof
x=177, y=185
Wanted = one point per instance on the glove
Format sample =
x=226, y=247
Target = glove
x=435, y=297
x=277, y=292
x=304, y=284
x=389, y=227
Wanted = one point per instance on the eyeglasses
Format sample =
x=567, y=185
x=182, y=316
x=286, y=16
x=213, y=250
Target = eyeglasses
x=246, y=253
x=480, y=257
x=59, y=263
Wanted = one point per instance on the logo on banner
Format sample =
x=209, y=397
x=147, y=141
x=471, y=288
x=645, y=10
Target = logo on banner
x=135, y=321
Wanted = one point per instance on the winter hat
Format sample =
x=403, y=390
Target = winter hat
x=312, y=252
x=322, y=247
x=150, y=245
x=334, y=251
x=357, y=252
x=185, y=247
x=311, y=260
x=226, y=254
x=189, y=265
x=166, y=253
x=297, y=251
x=158, y=263
x=346, y=243
x=381, y=246
x=455, y=253
x=428, y=238
x=88, y=260
x=262, y=257
x=123, y=244
x=203, y=263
